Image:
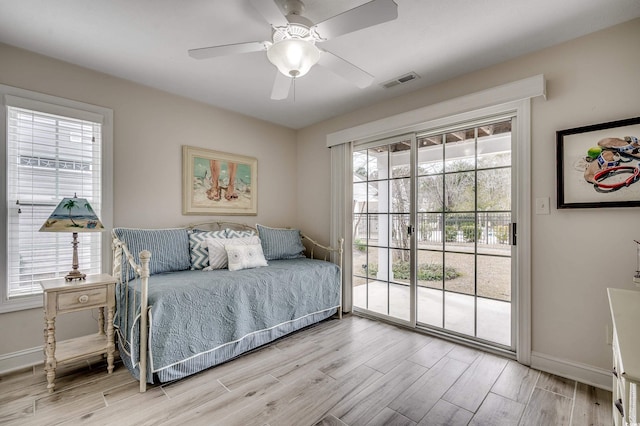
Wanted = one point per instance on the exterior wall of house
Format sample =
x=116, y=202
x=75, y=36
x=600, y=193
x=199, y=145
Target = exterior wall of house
x=150, y=127
x=576, y=254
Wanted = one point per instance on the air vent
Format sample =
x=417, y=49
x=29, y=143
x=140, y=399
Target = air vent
x=400, y=80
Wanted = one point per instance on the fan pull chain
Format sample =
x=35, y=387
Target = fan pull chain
x=294, y=89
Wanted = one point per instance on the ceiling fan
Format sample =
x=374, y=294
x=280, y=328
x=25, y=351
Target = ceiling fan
x=293, y=47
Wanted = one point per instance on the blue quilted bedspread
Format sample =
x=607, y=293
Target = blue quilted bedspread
x=203, y=318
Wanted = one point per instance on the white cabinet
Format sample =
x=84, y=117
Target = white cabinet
x=625, y=312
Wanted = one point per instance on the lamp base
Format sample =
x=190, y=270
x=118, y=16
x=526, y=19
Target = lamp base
x=75, y=275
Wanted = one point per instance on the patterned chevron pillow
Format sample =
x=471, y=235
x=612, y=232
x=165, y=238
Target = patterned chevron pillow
x=198, y=247
x=232, y=233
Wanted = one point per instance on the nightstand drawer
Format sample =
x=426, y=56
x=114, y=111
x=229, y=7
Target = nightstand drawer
x=82, y=299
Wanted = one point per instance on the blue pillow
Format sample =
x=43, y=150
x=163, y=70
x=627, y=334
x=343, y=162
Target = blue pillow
x=278, y=243
x=169, y=247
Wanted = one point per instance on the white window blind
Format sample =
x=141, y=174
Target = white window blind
x=49, y=157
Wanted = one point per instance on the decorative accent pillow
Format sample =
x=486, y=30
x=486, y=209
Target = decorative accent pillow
x=279, y=243
x=232, y=233
x=169, y=247
x=198, y=247
x=217, y=251
x=245, y=256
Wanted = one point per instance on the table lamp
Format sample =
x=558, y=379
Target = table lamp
x=73, y=215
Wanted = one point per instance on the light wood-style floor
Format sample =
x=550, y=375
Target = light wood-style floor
x=350, y=372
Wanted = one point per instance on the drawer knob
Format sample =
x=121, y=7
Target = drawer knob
x=83, y=299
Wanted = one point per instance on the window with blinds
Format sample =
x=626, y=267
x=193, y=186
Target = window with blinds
x=49, y=157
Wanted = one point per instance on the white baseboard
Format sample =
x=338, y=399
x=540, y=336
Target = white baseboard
x=584, y=373
x=22, y=359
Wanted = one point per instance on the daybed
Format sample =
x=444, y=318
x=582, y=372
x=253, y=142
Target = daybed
x=177, y=314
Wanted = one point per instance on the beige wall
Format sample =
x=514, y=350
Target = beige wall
x=576, y=254
x=150, y=127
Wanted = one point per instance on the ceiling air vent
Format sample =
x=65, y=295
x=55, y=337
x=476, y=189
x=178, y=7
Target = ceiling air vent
x=400, y=80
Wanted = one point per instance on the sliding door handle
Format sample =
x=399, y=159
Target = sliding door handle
x=513, y=233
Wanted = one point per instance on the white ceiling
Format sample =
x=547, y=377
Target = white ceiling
x=146, y=41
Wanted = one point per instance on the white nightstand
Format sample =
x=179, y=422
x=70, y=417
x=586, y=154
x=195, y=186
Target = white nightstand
x=60, y=297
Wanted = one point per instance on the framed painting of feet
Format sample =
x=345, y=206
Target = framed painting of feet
x=599, y=165
x=218, y=183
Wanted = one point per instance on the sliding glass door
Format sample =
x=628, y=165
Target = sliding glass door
x=381, y=217
x=431, y=229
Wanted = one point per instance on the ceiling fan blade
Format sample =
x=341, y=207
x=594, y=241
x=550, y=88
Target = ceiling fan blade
x=227, y=49
x=281, y=87
x=270, y=12
x=369, y=14
x=345, y=69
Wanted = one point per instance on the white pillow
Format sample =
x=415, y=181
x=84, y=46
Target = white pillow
x=245, y=256
x=217, y=252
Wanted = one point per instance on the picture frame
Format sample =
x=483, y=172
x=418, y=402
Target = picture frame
x=599, y=165
x=218, y=183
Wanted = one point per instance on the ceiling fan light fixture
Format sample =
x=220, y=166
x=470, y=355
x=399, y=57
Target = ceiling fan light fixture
x=293, y=57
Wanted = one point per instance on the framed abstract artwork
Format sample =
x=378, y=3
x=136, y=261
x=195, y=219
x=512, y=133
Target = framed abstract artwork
x=599, y=165
x=218, y=183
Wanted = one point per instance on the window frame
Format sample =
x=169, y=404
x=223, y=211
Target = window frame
x=56, y=105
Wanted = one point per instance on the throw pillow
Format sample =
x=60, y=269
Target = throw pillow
x=217, y=252
x=169, y=248
x=279, y=243
x=233, y=233
x=198, y=247
x=245, y=256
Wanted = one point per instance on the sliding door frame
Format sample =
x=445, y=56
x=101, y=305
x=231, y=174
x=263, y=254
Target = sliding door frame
x=521, y=110
x=411, y=323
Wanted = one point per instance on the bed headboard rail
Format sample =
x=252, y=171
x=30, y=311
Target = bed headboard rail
x=120, y=249
x=220, y=225
x=328, y=251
